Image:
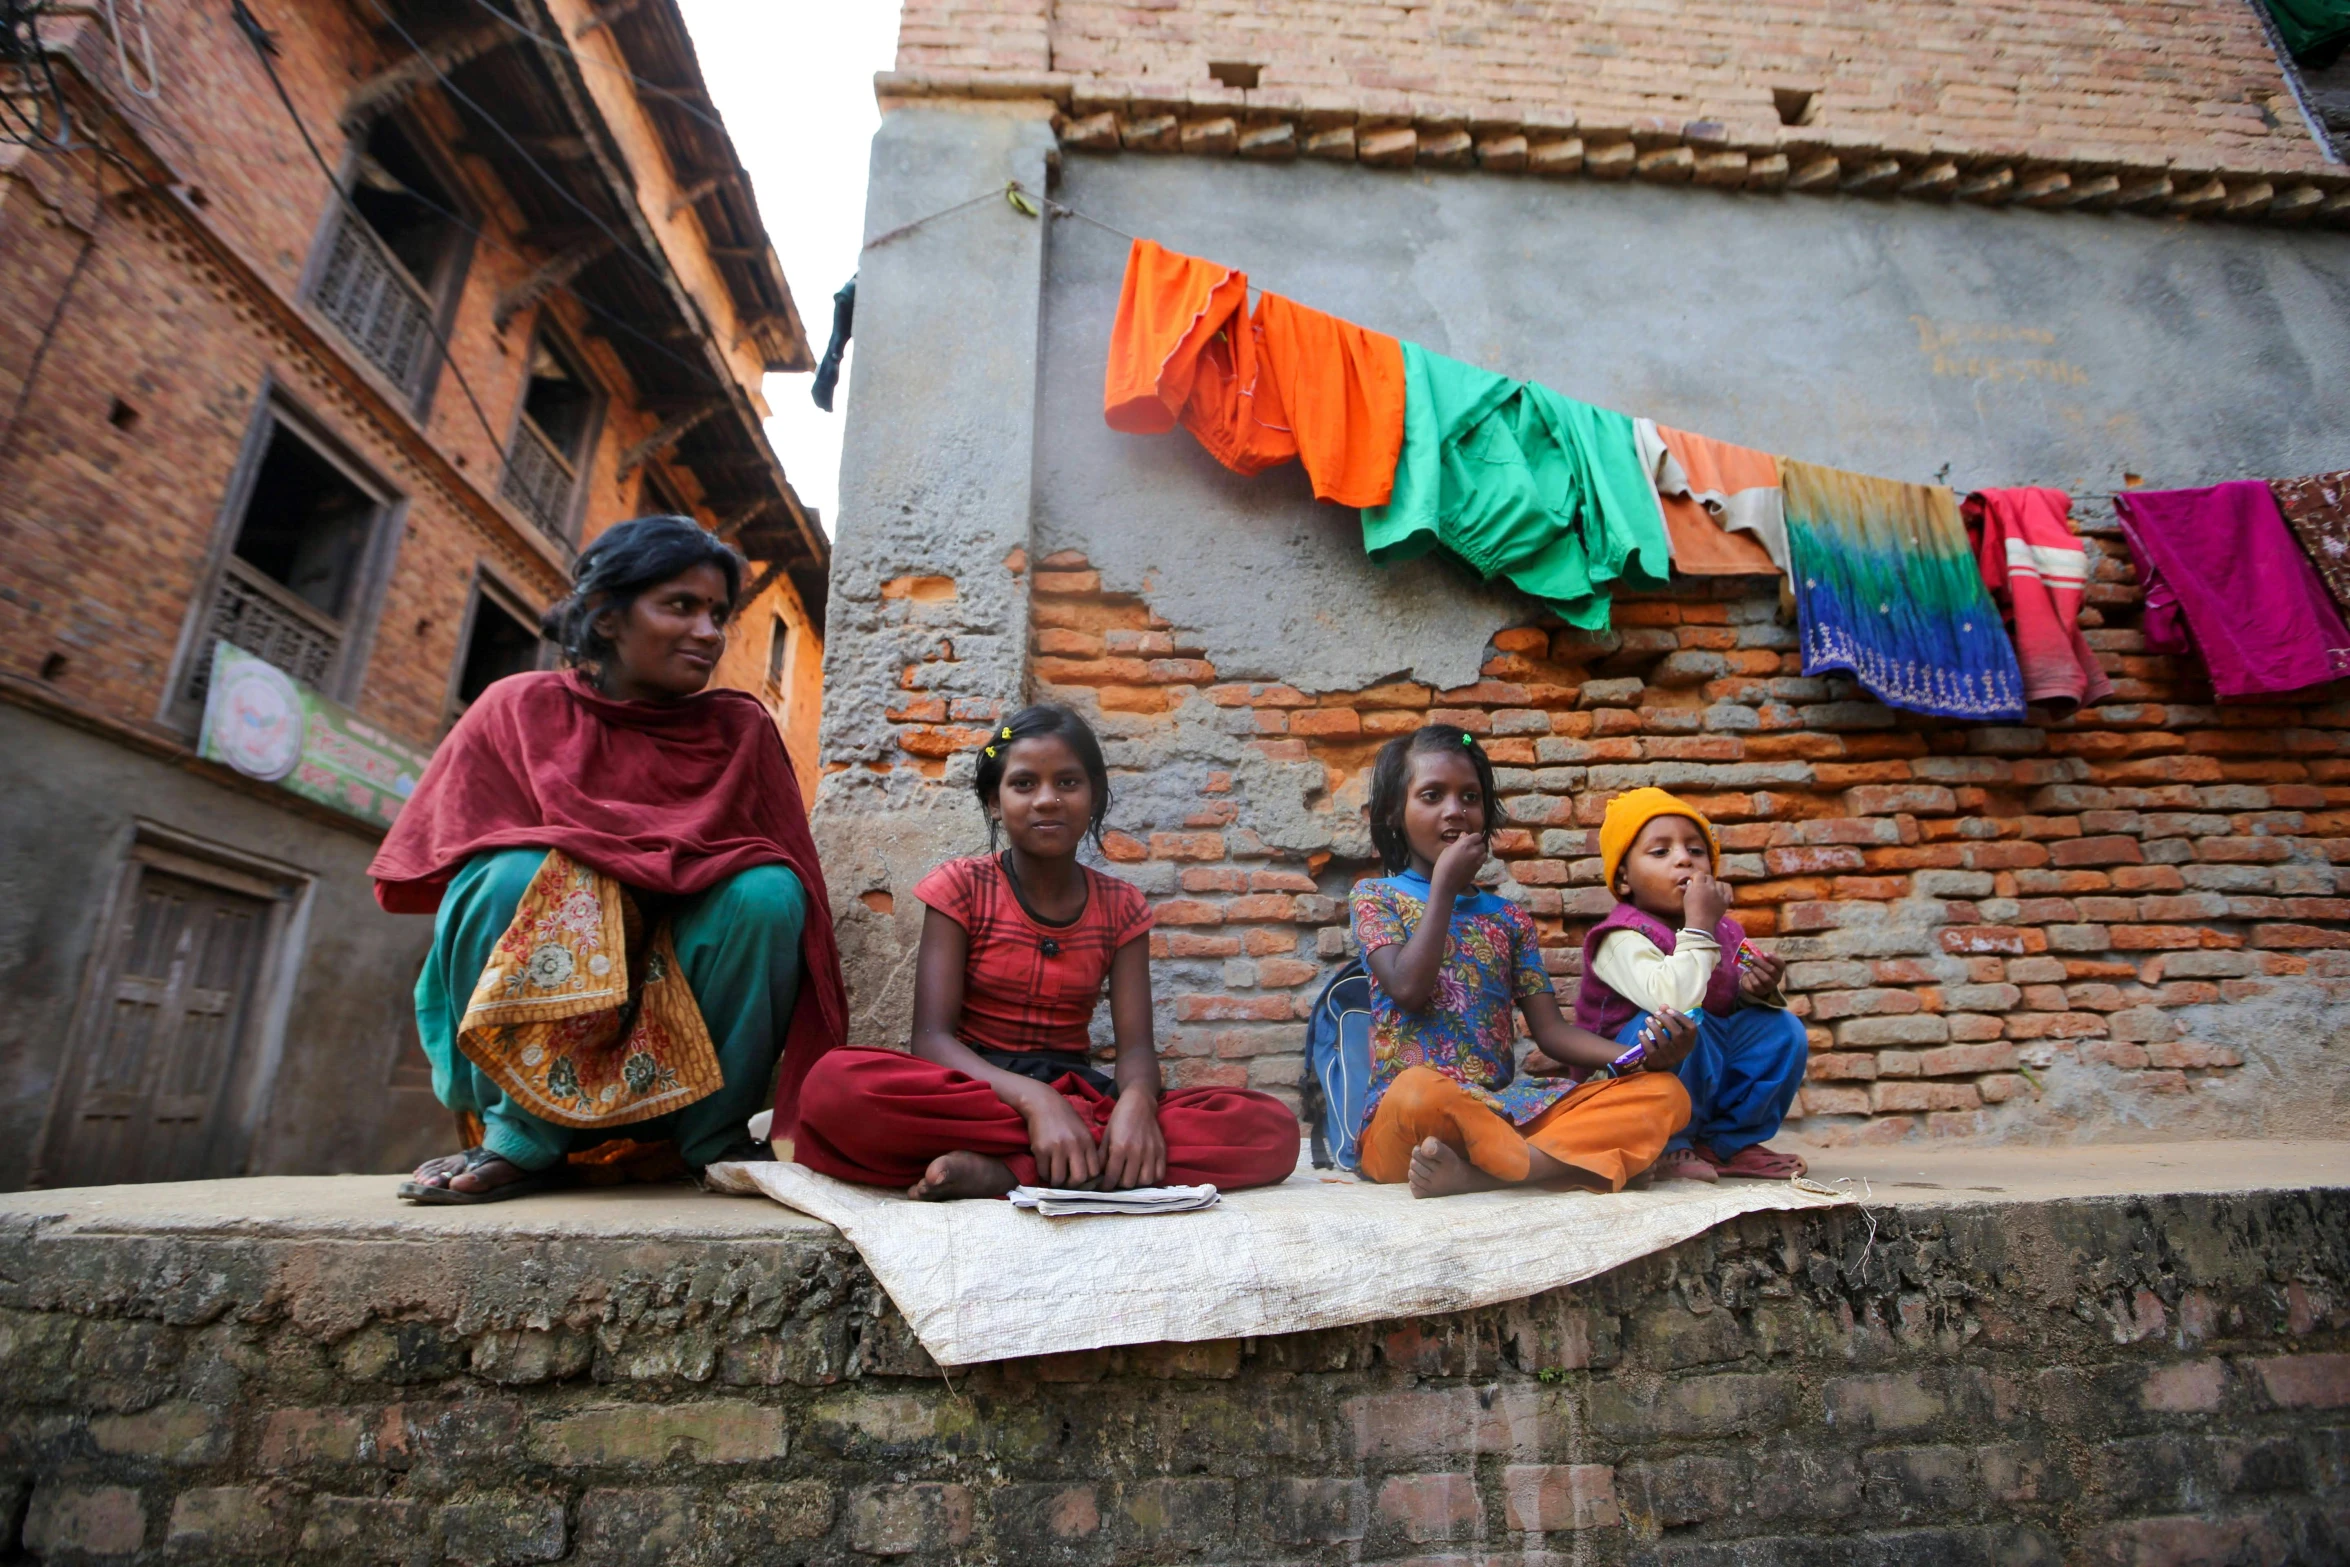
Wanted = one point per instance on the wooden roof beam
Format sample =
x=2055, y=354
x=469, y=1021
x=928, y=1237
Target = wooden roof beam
x=387, y=89
x=669, y=435
x=551, y=274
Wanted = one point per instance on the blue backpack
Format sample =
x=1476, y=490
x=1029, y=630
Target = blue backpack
x=1338, y=1063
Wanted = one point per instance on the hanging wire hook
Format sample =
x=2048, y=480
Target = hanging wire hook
x=122, y=54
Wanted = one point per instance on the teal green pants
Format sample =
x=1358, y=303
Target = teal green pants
x=739, y=944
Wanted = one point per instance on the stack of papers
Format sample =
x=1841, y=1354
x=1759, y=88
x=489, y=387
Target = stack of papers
x=1061, y=1203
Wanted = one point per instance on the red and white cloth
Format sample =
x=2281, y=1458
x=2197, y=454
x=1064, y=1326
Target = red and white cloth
x=2034, y=565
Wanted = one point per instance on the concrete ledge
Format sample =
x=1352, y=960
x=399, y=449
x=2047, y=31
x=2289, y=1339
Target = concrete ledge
x=2055, y=1369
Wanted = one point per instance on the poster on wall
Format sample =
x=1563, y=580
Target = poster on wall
x=261, y=721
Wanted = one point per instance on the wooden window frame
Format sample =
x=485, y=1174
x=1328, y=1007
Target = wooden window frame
x=521, y=427
x=259, y=1050
x=487, y=583
x=443, y=294
x=356, y=636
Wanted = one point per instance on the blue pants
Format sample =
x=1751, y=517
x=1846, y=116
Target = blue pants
x=1741, y=1075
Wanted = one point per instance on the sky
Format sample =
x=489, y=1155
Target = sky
x=793, y=80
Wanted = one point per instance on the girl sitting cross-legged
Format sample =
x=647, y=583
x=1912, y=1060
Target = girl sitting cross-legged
x=1016, y=946
x=1450, y=1109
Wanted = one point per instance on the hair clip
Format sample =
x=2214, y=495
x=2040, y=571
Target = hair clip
x=1007, y=731
x=1468, y=739
x=991, y=753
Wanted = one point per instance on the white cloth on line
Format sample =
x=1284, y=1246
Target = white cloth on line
x=980, y=1280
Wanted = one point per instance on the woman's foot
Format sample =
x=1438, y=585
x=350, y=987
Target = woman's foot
x=475, y=1171
x=1439, y=1171
x=962, y=1174
x=1685, y=1164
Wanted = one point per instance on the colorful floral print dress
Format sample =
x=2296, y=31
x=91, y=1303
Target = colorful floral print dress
x=1469, y=1027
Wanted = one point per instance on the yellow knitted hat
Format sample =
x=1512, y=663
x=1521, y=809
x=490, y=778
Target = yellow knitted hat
x=1634, y=809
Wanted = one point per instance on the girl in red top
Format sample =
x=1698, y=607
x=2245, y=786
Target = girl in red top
x=1016, y=945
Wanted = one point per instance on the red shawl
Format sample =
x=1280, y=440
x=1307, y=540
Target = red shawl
x=670, y=800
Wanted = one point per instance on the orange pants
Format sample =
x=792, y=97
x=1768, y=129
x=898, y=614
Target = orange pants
x=1610, y=1130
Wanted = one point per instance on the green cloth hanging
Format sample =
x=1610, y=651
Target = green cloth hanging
x=1520, y=483
x=2314, y=30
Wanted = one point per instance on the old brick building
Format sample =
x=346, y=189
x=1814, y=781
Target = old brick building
x=344, y=379
x=2093, y=245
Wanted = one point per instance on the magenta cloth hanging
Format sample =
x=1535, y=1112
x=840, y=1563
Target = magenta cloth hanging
x=2223, y=574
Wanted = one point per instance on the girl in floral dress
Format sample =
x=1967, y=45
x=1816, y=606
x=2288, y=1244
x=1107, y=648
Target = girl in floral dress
x=1450, y=1108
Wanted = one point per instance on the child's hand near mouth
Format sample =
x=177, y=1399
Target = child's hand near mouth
x=1704, y=902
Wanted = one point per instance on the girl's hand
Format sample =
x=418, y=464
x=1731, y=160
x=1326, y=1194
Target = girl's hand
x=1759, y=975
x=1539, y=1064
x=1066, y=1154
x=1134, y=1151
x=1457, y=866
x=1705, y=903
x=1669, y=1036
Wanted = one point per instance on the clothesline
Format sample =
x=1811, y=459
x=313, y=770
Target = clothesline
x=1570, y=503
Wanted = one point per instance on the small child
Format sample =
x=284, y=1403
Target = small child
x=1016, y=947
x=1670, y=947
x=1449, y=1107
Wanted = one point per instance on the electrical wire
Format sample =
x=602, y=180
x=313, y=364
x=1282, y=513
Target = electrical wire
x=265, y=50
x=73, y=278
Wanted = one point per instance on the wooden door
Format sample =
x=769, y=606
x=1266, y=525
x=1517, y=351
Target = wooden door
x=176, y=993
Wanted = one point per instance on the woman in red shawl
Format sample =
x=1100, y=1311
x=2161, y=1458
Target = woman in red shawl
x=629, y=923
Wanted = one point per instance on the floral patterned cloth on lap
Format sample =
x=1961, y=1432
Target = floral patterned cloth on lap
x=1469, y=1029
x=562, y=1022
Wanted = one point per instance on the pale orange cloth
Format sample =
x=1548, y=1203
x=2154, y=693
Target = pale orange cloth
x=1611, y=1129
x=1718, y=476
x=1341, y=389
x=1183, y=348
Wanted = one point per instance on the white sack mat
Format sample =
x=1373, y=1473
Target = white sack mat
x=980, y=1280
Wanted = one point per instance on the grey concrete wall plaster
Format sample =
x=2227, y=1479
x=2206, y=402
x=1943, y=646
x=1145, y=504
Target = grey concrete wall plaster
x=935, y=482
x=73, y=799
x=1979, y=347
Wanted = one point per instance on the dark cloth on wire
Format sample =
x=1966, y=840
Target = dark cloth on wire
x=2318, y=507
x=844, y=318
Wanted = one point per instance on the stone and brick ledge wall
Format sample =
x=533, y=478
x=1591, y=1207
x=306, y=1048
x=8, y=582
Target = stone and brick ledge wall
x=2174, y=107
x=2113, y=1380
x=1662, y=150
x=2024, y=930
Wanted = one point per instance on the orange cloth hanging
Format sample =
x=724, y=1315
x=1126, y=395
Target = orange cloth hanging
x=1182, y=348
x=1341, y=392
x=1235, y=410
x=1170, y=307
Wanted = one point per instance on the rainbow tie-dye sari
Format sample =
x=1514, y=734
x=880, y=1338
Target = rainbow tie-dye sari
x=1886, y=587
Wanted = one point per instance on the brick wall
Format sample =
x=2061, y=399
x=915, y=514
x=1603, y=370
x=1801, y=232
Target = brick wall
x=111, y=528
x=1975, y=916
x=2181, y=80
x=2148, y=1381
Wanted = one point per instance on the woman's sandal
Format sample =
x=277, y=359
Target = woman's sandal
x=1757, y=1163
x=1685, y=1164
x=427, y=1195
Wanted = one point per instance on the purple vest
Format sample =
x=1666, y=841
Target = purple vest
x=1599, y=1009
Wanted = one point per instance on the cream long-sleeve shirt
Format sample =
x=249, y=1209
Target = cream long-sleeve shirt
x=1635, y=968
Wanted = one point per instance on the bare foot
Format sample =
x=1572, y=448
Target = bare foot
x=962, y=1174
x=469, y=1173
x=1437, y=1171
x=1685, y=1164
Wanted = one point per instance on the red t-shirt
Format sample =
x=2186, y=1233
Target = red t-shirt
x=1016, y=996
